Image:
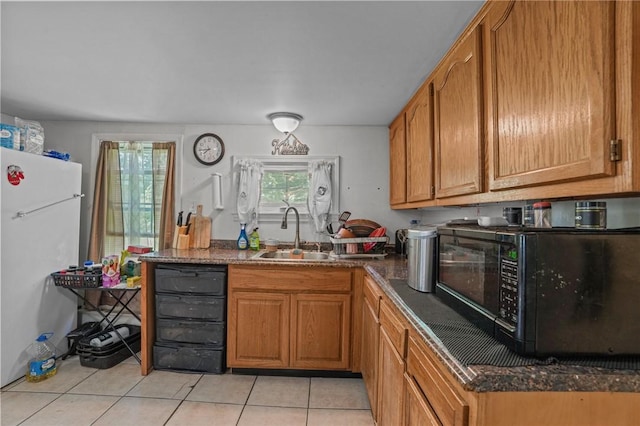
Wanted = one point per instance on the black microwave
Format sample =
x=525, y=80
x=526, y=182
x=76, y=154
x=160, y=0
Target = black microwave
x=545, y=292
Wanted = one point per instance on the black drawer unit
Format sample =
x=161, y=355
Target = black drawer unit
x=203, y=280
x=188, y=306
x=187, y=357
x=191, y=331
x=190, y=318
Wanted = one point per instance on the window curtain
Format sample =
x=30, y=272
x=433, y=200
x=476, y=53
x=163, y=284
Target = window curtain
x=249, y=192
x=319, y=200
x=114, y=227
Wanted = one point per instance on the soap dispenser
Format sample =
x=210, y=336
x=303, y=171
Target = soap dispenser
x=254, y=240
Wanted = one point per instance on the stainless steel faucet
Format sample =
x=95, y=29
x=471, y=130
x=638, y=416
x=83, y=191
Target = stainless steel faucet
x=283, y=225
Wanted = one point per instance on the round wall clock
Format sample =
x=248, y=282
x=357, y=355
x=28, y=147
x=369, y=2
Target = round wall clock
x=208, y=149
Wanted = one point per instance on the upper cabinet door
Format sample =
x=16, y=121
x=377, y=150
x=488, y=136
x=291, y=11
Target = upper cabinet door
x=397, y=162
x=550, y=91
x=458, y=120
x=419, y=119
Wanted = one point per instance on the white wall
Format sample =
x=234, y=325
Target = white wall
x=363, y=155
x=364, y=175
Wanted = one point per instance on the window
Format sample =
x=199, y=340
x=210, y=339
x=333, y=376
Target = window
x=133, y=202
x=140, y=181
x=286, y=180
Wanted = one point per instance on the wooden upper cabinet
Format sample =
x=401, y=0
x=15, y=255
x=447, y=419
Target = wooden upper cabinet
x=458, y=120
x=419, y=139
x=397, y=162
x=550, y=91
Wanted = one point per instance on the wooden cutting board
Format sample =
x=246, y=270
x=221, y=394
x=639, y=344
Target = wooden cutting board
x=202, y=229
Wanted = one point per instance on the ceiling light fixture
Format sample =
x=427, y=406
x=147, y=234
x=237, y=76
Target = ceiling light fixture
x=285, y=122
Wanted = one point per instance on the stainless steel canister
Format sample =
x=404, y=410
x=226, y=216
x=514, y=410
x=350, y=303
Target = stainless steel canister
x=422, y=255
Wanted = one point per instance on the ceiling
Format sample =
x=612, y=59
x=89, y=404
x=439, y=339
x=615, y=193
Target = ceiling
x=215, y=62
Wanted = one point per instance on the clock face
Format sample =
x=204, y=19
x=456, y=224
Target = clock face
x=208, y=149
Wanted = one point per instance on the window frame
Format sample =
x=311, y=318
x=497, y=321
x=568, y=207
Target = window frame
x=282, y=163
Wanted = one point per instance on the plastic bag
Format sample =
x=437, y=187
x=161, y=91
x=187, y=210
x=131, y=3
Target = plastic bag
x=31, y=136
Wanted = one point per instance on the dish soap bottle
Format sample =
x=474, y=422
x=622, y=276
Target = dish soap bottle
x=254, y=240
x=243, y=241
x=42, y=359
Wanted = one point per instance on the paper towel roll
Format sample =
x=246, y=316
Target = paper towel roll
x=217, y=191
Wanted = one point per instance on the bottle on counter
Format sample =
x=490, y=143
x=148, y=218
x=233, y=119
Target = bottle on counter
x=542, y=214
x=42, y=359
x=243, y=241
x=254, y=240
x=528, y=216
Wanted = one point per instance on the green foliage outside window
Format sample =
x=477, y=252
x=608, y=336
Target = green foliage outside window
x=291, y=186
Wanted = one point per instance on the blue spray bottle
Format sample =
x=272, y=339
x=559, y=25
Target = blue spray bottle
x=243, y=241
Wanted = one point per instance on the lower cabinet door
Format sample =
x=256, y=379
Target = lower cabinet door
x=258, y=333
x=390, y=383
x=417, y=411
x=321, y=331
x=369, y=358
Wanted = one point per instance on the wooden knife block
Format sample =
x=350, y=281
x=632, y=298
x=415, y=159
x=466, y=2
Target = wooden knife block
x=180, y=238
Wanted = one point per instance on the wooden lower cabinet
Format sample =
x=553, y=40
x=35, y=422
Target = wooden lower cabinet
x=369, y=358
x=433, y=388
x=390, y=383
x=289, y=318
x=260, y=322
x=413, y=387
x=320, y=331
x=391, y=366
x=417, y=411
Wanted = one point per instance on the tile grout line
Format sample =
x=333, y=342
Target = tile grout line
x=308, y=403
x=255, y=379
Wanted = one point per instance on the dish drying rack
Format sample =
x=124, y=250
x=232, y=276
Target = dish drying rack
x=359, y=248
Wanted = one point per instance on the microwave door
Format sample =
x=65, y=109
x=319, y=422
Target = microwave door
x=470, y=267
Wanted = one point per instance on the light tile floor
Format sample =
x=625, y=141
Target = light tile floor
x=82, y=396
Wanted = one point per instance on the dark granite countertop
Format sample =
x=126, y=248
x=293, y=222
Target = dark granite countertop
x=392, y=270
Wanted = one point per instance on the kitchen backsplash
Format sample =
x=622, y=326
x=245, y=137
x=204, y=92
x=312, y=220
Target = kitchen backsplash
x=621, y=212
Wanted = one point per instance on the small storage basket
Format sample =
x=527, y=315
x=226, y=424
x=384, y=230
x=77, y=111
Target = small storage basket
x=359, y=247
x=87, y=279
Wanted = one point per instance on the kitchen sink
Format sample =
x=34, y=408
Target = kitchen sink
x=283, y=255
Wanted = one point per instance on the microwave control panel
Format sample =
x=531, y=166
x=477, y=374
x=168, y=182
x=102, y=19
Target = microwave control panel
x=508, y=301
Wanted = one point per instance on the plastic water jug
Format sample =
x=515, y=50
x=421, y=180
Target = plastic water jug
x=42, y=359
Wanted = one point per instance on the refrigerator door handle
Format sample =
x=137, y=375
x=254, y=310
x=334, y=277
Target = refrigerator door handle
x=22, y=214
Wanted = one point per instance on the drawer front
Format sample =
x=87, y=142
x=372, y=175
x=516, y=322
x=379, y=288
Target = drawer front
x=193, y=307
x=191, y=331
x=191, y=279
x=196, y=358
x=296, y=279
x=372, y=294
x=450, y=408
x=418, y=412
x=395, y=328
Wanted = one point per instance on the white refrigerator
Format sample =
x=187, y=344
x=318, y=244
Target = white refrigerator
x=39, y=234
